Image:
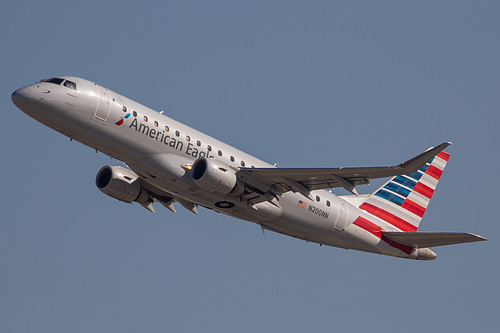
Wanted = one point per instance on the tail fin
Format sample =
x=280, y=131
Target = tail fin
x=402, y=201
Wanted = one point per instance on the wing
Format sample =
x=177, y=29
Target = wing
x=305, y=180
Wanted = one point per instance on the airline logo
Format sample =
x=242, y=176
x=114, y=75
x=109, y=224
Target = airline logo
x=402, y=201
x=122, y=120
x=411, y=193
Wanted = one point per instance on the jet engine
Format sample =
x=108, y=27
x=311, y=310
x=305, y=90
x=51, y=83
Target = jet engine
x=121, y=183
x=215, y=176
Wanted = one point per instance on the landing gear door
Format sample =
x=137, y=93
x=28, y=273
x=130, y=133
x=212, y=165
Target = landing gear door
x=103, y=104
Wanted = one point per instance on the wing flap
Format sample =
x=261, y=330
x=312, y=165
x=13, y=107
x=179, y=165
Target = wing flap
x=431, y=239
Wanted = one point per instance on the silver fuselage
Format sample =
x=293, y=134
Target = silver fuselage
x=159, y=148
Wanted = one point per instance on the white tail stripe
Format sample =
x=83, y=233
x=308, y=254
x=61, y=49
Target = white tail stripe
x=439, y=163
x=419, y=199
x=394, y=210
x=429, y=181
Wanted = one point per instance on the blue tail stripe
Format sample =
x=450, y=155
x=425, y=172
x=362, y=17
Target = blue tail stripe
x=417, y=175
x=405, y=181
x=398, y=189
x=390, y=197
x=424, y=168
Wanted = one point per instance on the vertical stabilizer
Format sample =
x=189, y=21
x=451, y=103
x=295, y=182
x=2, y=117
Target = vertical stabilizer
x=402, y=201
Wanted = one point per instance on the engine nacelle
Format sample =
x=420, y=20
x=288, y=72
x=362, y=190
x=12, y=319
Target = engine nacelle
x=214, y=175
x=121, y=184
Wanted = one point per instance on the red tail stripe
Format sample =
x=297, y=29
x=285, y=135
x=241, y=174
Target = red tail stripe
x=413, y=207
x=424, y=190
x=444, y=155
x=368, y=226
x=377, y=231
x=388, y=217
x=434, y=172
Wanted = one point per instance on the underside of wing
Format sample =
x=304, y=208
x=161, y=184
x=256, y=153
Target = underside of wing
x=304, y=180
x=431, y=239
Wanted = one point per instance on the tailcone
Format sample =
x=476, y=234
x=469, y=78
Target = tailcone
x=425, y=253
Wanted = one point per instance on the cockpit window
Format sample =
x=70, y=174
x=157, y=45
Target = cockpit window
x=70, y=84
x=54, y=80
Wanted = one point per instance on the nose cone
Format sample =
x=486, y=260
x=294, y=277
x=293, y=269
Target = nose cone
x=21, y=97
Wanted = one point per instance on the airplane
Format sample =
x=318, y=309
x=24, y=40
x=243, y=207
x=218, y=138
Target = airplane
x=167, y=161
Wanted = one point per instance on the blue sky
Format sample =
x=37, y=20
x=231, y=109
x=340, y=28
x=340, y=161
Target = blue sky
x=302, y=84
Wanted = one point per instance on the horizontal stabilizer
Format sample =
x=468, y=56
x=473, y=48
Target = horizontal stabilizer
x=431, y=239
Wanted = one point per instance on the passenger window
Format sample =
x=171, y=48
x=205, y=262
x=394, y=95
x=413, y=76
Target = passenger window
x=134, y=113
x=156, y=123
x=317, y=198
x=328, y=203
x=177, y=133
x=219, y=152
x=124, y=108
x=209, y=148
x=232, y=158
x=242, y=163
x=198, y=143
x=70, y=84
x=166, y=128
x=145, y=119
x=188, y=138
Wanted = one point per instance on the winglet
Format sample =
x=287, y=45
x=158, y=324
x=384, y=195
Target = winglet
x=412, y=165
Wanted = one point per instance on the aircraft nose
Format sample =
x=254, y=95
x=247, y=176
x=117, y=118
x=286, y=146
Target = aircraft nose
x=21, y=96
